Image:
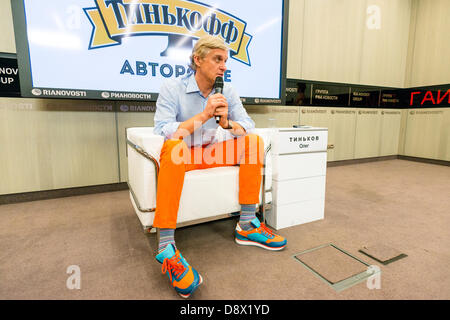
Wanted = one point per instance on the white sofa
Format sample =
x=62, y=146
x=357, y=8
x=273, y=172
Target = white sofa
x=215, y=189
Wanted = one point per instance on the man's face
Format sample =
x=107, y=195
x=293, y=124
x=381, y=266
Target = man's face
x=213, y=64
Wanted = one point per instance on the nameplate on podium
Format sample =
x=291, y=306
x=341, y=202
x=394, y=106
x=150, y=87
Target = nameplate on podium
x=301, y=141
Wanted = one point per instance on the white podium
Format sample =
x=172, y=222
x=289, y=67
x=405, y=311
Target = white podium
x=299, y=163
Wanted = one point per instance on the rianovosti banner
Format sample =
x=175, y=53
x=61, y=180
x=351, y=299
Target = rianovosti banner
x=125, y=49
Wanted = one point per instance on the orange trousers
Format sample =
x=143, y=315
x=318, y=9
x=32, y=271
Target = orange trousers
x=177, y=158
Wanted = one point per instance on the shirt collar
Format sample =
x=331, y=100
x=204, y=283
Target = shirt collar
x=192, y=85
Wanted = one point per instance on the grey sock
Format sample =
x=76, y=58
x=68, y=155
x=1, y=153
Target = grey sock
x=248, y=212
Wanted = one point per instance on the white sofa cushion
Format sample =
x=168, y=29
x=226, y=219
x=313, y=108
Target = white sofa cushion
x=205, y=193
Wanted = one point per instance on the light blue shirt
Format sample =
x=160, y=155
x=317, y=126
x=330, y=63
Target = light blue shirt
x=180, y=99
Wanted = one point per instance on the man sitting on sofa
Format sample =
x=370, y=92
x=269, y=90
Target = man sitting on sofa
x=185, y=115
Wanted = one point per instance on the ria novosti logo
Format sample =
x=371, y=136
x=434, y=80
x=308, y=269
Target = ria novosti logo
x=36, y=92
x=105, y=95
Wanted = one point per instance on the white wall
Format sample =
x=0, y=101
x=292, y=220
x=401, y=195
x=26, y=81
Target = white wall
x=7, y=42
x=349, y=41
x=395, y=43
x=429, y=54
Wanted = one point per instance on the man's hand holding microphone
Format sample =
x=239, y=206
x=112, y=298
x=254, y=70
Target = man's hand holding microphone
x=217, y=105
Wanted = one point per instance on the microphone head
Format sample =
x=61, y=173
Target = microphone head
x=218, y=84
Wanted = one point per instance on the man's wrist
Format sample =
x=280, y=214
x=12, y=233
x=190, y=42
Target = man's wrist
x=230, y=125
x=204, y=117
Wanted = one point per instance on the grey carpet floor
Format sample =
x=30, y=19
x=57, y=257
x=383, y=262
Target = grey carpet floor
x=398, y=203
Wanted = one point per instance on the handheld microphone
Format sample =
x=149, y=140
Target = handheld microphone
x=218, y=88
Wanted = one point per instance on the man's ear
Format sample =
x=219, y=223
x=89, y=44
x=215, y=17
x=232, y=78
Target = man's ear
x=197, y=60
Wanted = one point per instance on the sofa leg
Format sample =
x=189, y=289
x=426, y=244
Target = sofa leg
x=149, y=230
x=157, y=238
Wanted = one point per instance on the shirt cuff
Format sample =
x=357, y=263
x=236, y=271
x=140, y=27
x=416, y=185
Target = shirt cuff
x=244, y=125
x=169, y=129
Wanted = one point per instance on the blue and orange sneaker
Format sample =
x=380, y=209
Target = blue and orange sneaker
x=260, y=236
x=182, y=276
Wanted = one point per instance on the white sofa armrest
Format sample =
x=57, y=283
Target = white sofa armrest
x=144, y=138
x=144, y=150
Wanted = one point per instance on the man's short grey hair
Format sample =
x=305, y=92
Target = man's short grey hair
x=204, y=45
